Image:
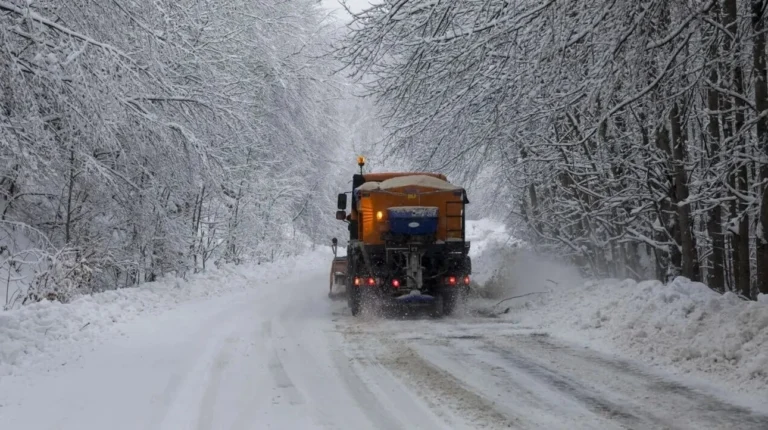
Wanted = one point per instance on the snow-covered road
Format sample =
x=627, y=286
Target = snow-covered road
x=286, y=357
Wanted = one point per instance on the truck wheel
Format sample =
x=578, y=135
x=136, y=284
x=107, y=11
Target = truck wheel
x=439, y=306
x=450, y=300
x=353, y=301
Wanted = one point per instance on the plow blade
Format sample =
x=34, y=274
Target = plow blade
x=338, y=292
x=416, y=299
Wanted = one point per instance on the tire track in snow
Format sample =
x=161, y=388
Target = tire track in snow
x=205, y=418
x=182, y=394
x=709, y=408
x=617, y=389
x=442, y=389
x=593, y=399
x=446, y=396
x=536, y=404
x=522, y=380
x=255, y=356
x=173, y=388
x=307, y=344
x=364, y=398
x=277, y=370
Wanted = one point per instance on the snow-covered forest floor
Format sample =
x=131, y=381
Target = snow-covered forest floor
x=231, y=348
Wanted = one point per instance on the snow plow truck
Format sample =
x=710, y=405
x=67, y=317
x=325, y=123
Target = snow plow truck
x=407, y=244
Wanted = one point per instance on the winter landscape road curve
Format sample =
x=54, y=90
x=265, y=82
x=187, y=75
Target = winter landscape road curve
x=283, y=356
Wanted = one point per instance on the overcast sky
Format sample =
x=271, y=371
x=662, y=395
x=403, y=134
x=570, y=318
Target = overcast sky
x=355, y=5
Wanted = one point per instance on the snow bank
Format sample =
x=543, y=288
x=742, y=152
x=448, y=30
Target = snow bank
x=683, y=326
x=33, y=333
x=417, y=180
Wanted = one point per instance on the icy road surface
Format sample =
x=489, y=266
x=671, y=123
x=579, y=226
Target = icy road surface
x=286, y=357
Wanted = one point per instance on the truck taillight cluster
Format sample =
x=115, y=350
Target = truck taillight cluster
x=453, y=280
x=371, y=282
x=396, y=283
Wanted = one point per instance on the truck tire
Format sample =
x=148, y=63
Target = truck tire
x=450, y=300
x=438, y=309
x=353, y=301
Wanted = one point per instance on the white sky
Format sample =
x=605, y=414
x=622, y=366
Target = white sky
x=355, y=5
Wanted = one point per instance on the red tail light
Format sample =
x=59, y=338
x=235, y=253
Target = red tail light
x=466, y=280
x=451, y=280
x=371, y=282
x=357, y=282
x=396, y=283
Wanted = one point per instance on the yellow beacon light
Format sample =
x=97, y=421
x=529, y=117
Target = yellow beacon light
x=379, y=215
x=361, y=162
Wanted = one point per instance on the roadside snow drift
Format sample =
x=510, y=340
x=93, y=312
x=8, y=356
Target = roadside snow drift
x=683, y=326
x=32, y=334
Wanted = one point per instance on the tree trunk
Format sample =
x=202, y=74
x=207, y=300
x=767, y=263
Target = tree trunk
x=70, y=188
x=740, y=175
x=716, y=273
x=672, y=261
x=197, y=213
x=761, y=103
x=687, y=239
x=533, y=210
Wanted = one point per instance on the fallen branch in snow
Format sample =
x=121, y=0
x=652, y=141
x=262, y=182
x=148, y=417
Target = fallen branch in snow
x=522, y=295
x=526, y=294
x=491, y=310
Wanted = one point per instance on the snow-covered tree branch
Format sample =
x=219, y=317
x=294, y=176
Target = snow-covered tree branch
x=141, y=139
x=630, y=136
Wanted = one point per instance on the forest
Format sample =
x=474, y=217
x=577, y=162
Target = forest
x=139, y=139
x=630, y=137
